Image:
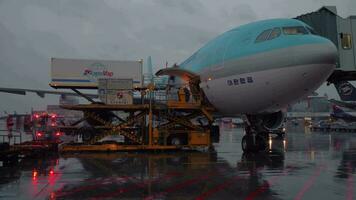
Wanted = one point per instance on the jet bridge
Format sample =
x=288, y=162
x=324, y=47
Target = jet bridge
x=342, y=32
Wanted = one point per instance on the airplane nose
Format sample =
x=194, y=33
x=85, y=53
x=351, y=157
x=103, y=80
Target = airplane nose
x=318, y=55
x=318, y=50
x=328, y=53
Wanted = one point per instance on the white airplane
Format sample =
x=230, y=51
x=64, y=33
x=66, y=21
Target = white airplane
x=257, y=70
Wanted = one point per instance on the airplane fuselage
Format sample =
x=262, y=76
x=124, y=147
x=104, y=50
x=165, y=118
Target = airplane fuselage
x=263, y=66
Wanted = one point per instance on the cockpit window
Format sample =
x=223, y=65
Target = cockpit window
x=296, y=30
x=263, y=36
x=276, y=32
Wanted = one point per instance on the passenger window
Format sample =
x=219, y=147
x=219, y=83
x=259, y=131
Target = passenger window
x=296, y=30
x=346, y=40
x=275, y=33
x=263, y=36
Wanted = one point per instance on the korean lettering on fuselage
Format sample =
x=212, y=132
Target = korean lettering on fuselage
x=240, y=81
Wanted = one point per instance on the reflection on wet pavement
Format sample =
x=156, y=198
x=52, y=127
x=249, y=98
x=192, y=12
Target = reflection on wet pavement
x=303, y=166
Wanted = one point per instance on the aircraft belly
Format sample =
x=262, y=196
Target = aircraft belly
x=265, y=91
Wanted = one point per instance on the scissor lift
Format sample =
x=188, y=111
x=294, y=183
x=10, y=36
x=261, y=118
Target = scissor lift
x=158, y=123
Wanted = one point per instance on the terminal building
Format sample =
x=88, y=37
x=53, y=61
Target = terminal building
x=312, y=104
x=342, y=31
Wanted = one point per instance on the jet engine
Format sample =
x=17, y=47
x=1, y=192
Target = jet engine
x=271, y=121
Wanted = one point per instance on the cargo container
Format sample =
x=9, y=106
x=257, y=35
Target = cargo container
x=115, y=91
x=81, y=73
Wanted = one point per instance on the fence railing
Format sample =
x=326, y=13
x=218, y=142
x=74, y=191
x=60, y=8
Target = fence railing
x=174, y=95
x=14, y=138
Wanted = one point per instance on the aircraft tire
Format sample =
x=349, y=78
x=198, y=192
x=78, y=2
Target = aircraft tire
x=248, y=145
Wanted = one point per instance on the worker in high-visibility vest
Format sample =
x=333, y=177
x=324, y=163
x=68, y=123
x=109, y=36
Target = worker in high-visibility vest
x=186, y=94
x=181, y=95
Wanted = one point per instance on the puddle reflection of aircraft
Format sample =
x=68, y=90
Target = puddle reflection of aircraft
x=273, y=159
x=347, y=165
x=168, y=175
x=254, y=166
x=136, y=175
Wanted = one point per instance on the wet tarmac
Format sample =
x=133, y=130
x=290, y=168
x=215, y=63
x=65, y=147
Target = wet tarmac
x=303, y=166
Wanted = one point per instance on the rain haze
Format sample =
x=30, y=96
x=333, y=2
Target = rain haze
x=33, y=31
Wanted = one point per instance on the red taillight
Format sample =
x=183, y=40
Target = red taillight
x=39, y=134
x=36, y=116
x=53, y=116
x=34, y=174
x=58, y=134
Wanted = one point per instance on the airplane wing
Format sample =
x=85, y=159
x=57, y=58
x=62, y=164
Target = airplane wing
x=42, y=93
x=344, y=104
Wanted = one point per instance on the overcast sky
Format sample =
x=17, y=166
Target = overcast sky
x=33, y=31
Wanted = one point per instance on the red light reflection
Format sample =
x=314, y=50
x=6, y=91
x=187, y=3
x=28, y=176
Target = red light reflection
x=34, y=175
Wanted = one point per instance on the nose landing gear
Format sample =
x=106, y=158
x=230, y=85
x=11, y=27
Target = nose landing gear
x=254, y=142
x=257, y=136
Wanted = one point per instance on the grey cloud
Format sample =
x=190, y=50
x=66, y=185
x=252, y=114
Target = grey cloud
x=187, y=6
x=32, y=31
x=244, y=12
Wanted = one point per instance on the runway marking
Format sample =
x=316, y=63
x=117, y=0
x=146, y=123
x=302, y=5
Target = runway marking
x=350, y=182
x=93, y=184
x=261, y=189
x=216, y=189
x=310, y=182
x=142, y=185
x=43, y=188
x=181, y=185
x=222, y=186
x=266, y=185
